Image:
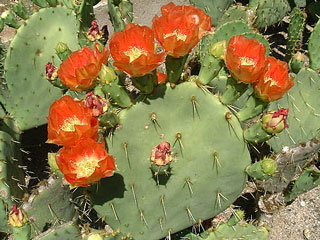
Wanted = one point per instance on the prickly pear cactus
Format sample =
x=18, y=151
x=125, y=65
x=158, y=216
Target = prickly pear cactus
x=155, y=203
x=36, y=39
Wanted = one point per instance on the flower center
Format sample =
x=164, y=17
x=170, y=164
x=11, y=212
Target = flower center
x=69, y=123
x=86, y=166
x=245, y=61
x=272, y=82
x=178, y=34
x=134, y=53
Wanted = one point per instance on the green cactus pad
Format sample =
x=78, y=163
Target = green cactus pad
x=50, y=203
x=242, y=231
x=67, y=231
x=304, y=113
x=314, y=47
x=269, y=12
x=4, y=227
x=236, y=12
x=214, y=9
x=308, y=180
x=295, y=31
x=224, y=32
x=11, y=177
x=30, y=50
x=206, y=175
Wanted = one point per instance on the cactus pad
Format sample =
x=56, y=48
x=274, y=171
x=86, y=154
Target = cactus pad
x=30, y=50
x=304, y=113
x=206, y=175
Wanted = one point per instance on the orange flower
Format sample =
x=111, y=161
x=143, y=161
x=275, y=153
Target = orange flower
x=70, y=120
x=162, y=77
x=275, y=82
x=85, y=163
x=133, y=50
x=180, y=28
x=245, y=58
x=80, y=69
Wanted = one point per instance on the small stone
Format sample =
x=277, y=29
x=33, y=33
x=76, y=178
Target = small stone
x=302, y=203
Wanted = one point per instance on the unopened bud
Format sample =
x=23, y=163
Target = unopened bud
x=269, y=166
x=51, y=71
x=63, y=51
x=94, y=33
x=95, y=236
x=107, y=75
x=52, y=162
x=297, y=62
x=10, y=19
x=17, y=218
x=218, y=49
x=97, y=104
x=275, y=122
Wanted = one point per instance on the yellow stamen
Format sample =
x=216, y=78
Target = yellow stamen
x=245, y=61
x=69, y=123
x=86, y=166
x=134, y=53
x=178, y=35
x=272, y=82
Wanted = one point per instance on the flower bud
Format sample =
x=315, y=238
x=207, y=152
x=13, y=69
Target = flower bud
x=51, y=71
x=52, y=162
x=274, y=122
x=269, y=166
x=63, y=51
x=95, y=236
x=94, y=33
x=17, y=218
x=97, y=104
x=161, y=158
x=107, y=75
x=218, y=49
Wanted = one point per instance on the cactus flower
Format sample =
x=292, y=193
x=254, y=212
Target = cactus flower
x=275, y=122
x=69, y=121
x=17, y=218
x=97, y=104
x=80, y=69
x=162, y=77
x=245, y=58
x=85, y=163
x=51, y=71
x=180, y=28
x=133, y=50
x=275, y=82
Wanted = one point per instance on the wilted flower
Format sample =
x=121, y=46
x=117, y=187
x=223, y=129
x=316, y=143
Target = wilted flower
x=51, y=71
x=17, y=218
x=85, y=163
x=274, y=82
x=275, y=121
x=70, y=120
x=96, y=103
x=161, y=154
x=245, y=58
x=94, y=33
x=80, y=69
x=180, y=28
x=133, y=50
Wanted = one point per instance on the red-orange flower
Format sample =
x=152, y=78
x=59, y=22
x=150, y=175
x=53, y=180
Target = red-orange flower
x=245, y=58
x=275, y=82
x=133, y=50
x=85, y=163
x=180, y=28
x=69, y=121
x=162, y=77
x=80, y=69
